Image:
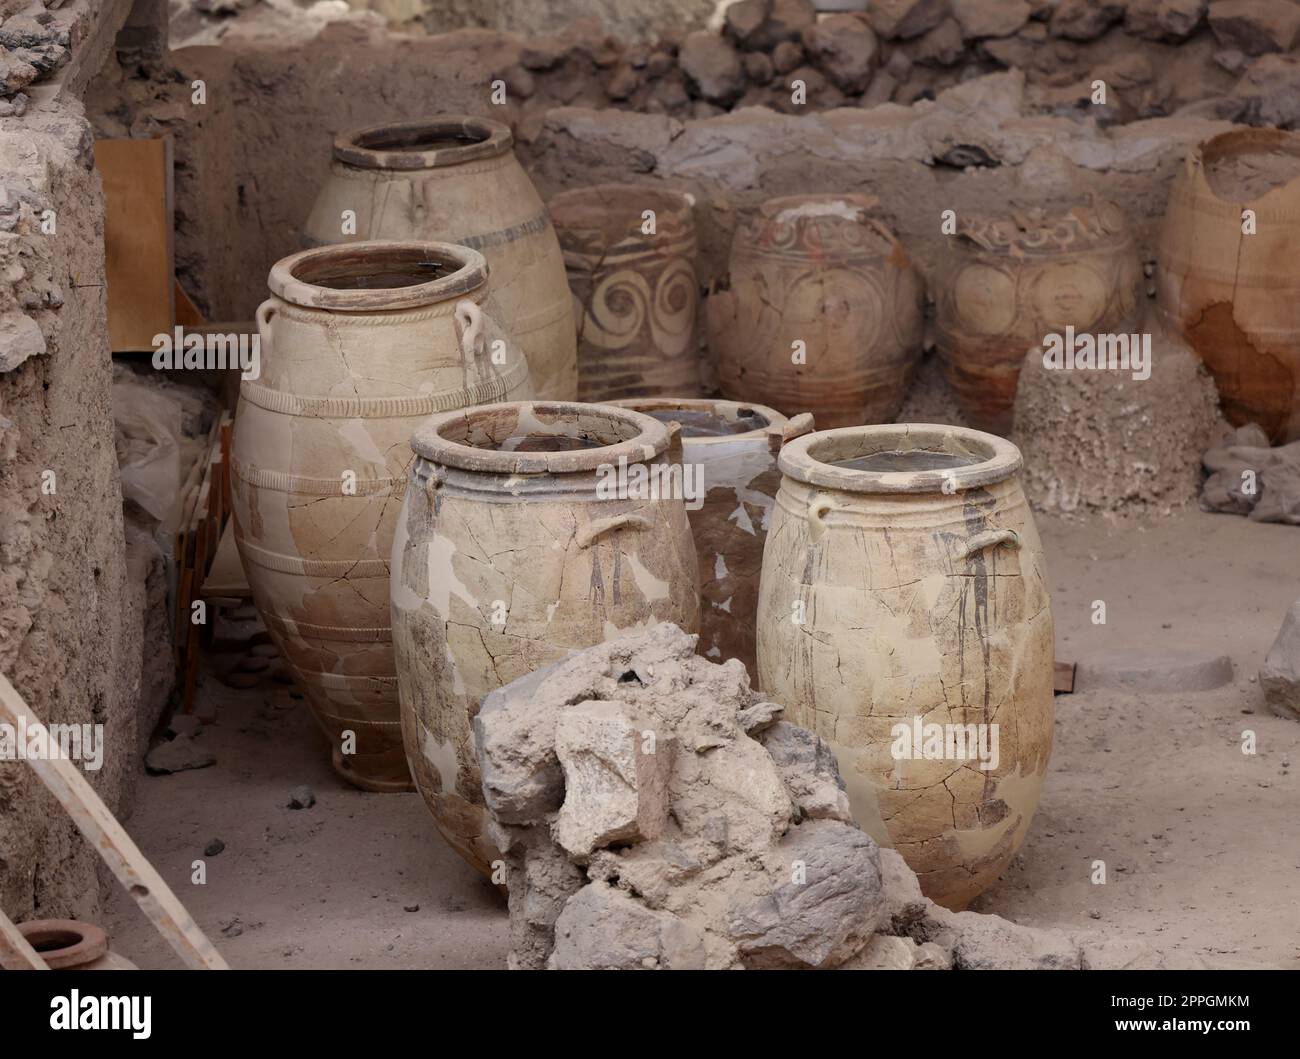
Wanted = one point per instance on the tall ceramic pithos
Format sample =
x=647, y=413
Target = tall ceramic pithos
x=1228, y=268
x=1005, y=283
x=528, y=530
x=455, y=179
x=903, y=615
x=359, y=344
x=729, y=450
x=630, y=252
x=822, y=312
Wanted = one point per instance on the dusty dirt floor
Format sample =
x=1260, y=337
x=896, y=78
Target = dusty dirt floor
x=1201, y=842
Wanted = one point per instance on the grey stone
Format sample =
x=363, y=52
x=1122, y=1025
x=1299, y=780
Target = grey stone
x=20, y=340
x=988, y=943
x=905, y=19
x=1165, y=20
x=602, y=929
x=302, y=797
x=1269, y=91
x=760, y=716
x=214, y=848
x=712, y=68
x=845, y=49
x=1255, y=26
x=943, y=45
x=1085, y=19
x=824, y=908
x=1280, y=676
x=178, y=755
x=743, y=19
x=1153, y=669
x=809, y=770
x=989, y=18
x=787, y=56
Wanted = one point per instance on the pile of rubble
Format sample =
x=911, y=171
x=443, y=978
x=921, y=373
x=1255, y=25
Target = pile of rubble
x=1245, y=476
x=654, y=812
x=32, y=46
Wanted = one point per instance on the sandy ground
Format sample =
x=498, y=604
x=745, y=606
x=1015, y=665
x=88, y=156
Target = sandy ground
x=1201, y=842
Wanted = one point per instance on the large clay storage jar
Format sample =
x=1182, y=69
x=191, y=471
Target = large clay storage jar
x=822, y=312
x=71, y=945
x=1232, y=295
x=730, y=449
x=903, y=587
x=456, y=179
x=513, y=548
x=360, y=343
x=630, y=252
x=1005, y=283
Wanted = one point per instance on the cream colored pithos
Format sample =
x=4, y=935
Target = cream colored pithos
x=729, y=450
x=456, y=179
x=360, y=343
x=517, y=544
x=903, y=595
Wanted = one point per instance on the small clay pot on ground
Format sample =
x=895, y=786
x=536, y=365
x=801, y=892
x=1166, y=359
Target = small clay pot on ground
x=904, y=586
x=1230, y=291
x=528, y=530
x=1007, y=282
x=71, y=945
x=735, y=447
x=456, y=179
x=631, y=256
x=821, y=312
x=360, y=343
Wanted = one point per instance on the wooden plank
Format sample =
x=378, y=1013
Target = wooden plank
x=16, y=952
x=187, y=313
x=226, y=579
x=106, y=836
x=1063, y=678
x=138, y=256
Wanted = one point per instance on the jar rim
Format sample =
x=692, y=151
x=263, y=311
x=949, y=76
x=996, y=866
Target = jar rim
x=301, y=278
x=587, y=206
x=808, y=459
x=635, y=437
x=397, y=144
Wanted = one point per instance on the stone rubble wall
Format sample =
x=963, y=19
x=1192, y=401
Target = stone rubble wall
x=73, y=591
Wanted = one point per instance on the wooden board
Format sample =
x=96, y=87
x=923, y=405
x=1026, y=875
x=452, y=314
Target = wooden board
x=1064, y=678
x=187, y=313
x=137, y=178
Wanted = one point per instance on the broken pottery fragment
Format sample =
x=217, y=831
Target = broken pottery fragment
x=455, y=178
x=528, y=530
x=360, y=342
x=733, y=449
x=903, y=616
x=630, y=254
x=1226, y=269
x=822, y=311
x=1009, y=282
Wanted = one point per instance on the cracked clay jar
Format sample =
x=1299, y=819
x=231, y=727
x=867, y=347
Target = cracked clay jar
x=455, y=178
x=520, y=540
x=359, y=344
x=904, y=594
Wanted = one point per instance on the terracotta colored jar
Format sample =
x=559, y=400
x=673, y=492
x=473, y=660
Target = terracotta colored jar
x=903, y=587
x=455, y=179
x=360, y=343
x=635, y=291
x=70, y=945
x=822, y=312
x=1232, y=295
x=1005, y=283
x=734, y=446
x=513, y=548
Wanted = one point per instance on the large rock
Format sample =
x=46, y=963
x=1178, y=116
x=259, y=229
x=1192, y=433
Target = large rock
x=712, y=67
x=990, y=18
x=905, y=19
x=1248, y=477
x=20, y=339
x=824, y=911
x=1085, y=19
x=809, y=770
x=602, y=929
x=845, y=49
x=1280, y=677
x=1269, y=92
x=1255, y=26
x=1164, y=20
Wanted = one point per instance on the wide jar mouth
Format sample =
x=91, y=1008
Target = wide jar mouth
x=1278, y=150
x=617, y=210
x=900, y=458
x=65, y=943
x=449, y=139
x=536, y=437
x=375, y=275
x=702, y=419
